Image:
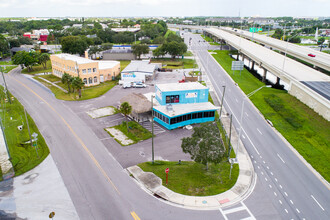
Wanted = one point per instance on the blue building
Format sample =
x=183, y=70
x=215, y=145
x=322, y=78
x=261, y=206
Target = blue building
x=180, y=104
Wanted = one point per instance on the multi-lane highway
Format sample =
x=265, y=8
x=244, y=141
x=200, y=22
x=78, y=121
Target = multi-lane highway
x=321, y=59
x=292, y=187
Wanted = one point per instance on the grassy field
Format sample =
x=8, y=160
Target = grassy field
x=23, y=156
x=210, y=40
x=39, y=69
x=188, y=54
x=190, y=178
x=87, y=92
x=6, y=63
x=8, y=68
x=123, y=64
x=168, y=32
x=326, y=51
x=176, y=64
x=51, y=77
x=306, y=131
x=136, y=131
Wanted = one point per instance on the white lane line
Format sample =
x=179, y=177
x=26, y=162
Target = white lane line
x=272, y=173
x=291, y=201
x=250, y=213
x=280, y=202
x=270, y=186
x=246, y=114
x=236, y=100
x=286, y=211
x=263, y=161
x=275, y=179
x=285, y=193
x=228, y=211
x=267, y=167
x=260, y=156
x=251, y=156
x=281, y=186
x=223, y=214
x=255, y=161
x=275, y=194
x=280, y=158
x=262, y=173
x=298, y=210
x=259, y=131
x=266, y=179
x=243, y=136
x=258, y=167
x=317, y=202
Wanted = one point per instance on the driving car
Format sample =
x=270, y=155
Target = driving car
x=311, y=55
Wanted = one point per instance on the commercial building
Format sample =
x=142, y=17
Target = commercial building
x=139, y=71
x=180, y=104
x=90, y=71
x=40, y=35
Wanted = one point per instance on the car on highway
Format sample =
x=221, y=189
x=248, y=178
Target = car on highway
x=311, y=55
x=139, y=85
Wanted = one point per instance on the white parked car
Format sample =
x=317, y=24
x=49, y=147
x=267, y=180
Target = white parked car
x=139, y=85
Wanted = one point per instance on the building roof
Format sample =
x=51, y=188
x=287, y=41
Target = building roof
x=139, y=103
x=79, y=60
x=107, y=64
x=181, y=109
x=167, y=87
x=140, y=66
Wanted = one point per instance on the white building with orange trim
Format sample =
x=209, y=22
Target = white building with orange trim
x=91, y=72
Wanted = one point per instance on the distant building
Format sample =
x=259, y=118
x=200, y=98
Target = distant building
x=40, y=35
x=77, y=25
x=261, y=21
x=90, y=71
x=125, y=29
x=138, y=71
x=119, y=54
x=225, y=19
x=181, y=104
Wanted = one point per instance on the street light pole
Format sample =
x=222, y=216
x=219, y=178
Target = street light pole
x=286, y=49
x=4, y=80
x=223, y=95
x=152, y=128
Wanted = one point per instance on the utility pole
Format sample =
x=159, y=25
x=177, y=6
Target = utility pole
x=27, y=123
x=4, y=80
x=152, y=128
x=229, y=144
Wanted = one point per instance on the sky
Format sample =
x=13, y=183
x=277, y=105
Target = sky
x=177, y=8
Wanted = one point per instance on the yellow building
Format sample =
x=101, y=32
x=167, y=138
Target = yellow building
x=91, y=72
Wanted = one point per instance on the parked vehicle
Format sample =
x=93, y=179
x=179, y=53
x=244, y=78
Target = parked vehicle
x=139, y=85
x=182, y=81
x=127, y=85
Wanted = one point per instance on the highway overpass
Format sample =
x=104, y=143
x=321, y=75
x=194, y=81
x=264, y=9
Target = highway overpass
x=307, y=84
x=321, y=59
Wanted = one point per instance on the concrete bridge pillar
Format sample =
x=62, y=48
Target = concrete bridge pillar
x=252, y=67
x=237, y=58
x=278, y=81
x=264, y=76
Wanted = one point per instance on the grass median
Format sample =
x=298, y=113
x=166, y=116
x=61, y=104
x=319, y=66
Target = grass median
x=190, y=178
x=176, y=63
x=303, y=128
x=23, y=156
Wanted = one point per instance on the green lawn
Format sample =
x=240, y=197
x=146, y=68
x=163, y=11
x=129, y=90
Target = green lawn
x=326, y=51
x=23, y=156
x=190, y=178
x=306, y=131
x=124, y=63
x=210, y=40
x=51, y=77
x=168, y=32
x=136, y=131
x=39, y=69
x=6, y=63
x=176, y=63
x=188, y=54
x=8, y=68
x=87, y=92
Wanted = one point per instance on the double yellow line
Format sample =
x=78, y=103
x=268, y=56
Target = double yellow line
x=134, y=215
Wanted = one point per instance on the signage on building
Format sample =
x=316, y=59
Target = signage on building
x=129, y=75
x=191, y=95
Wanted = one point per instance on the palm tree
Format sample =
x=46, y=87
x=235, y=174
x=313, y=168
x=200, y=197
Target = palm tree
x=43, y=58
x=78, y=84
x=67, y=79
x=126, y=109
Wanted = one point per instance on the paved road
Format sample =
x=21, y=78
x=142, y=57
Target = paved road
x=294, y=190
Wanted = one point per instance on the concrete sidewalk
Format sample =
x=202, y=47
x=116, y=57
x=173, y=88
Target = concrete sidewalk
x=242, y=188
x=35, y=194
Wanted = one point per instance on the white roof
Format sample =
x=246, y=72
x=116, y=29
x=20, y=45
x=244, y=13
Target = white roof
x=79, y=60
x=107, y=64
x=140, y=66
x=181, y=109
x=180, y=86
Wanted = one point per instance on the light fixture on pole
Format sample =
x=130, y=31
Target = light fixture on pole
x=152, y=128
x=286, y=49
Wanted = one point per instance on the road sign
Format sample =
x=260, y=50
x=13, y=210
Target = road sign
x=51, y=215
x=253, y=29
x=167, y=170
x=237, y=65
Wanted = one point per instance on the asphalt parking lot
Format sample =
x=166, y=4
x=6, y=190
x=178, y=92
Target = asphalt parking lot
x=167, y=143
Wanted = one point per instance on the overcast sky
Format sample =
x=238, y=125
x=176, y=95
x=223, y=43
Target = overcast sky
x=131, y=8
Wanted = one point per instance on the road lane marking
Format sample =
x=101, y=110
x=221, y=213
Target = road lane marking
x=263, y=161
x=266, y=179
x=298, y=210
x=223, y=214
x=246, y=114
x=317, y=202
x=286, y=211
x=291, y=201
x=259, y=131
x=135, y=216
x=262, y=173
x=267, y=167
x=280, y=158
x=285, y=193
x=75, y=134
x=275, y=194
x=280, y=186
x=272, y=174
x=258, y=167
x=248, y=210
x=270, y=186
x=243, y=136
x=275, y=179
x=280, y=202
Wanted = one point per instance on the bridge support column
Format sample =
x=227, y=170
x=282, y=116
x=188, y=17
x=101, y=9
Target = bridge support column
x=264, y=76
x=252, y=67
x=237, y=58
x=278, y=81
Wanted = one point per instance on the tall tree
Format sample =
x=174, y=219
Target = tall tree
x=205, y=144
x=73, y=45
x=78, y=84
x=4, y=47
x=139, y=49
x=175, y=49
x=28, y=59
x=67, y=79
x=43, y=58
x=126, y=109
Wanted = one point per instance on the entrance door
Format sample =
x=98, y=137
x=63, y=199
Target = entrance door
x=101, y=78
